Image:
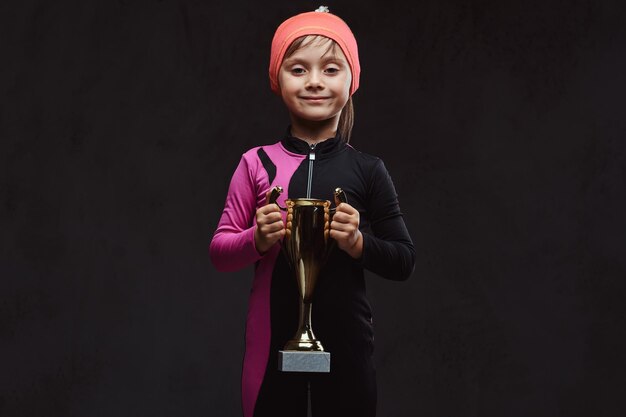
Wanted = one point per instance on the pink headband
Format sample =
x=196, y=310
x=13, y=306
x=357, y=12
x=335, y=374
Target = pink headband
x=314, y=23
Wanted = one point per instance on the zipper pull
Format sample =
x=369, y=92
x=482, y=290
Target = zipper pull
x=312, y=153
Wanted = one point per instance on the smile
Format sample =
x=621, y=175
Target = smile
x=315, y=98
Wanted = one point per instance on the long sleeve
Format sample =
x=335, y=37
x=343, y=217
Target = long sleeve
x=388, y=251
x=232, y=246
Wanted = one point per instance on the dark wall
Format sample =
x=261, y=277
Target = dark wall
x=502, y=124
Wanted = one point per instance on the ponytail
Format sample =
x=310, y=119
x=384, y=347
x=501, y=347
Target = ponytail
x=346, y=121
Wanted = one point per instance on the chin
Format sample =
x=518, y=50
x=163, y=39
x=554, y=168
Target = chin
x=316, y=117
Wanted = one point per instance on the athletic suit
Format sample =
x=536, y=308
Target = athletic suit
x=342, y=318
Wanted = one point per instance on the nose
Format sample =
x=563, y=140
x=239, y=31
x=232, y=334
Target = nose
x=314, y=80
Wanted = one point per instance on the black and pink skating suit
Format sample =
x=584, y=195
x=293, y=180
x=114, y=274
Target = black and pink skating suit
x=342, y=317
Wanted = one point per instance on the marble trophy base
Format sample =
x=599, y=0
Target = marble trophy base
x=301, y=361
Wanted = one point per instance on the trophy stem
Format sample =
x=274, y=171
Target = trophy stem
x=304, y=339
x=305, y=318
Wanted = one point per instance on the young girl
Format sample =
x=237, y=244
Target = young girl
x=314, y=67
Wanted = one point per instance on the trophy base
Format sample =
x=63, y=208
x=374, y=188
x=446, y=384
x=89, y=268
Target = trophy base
x=301, y=361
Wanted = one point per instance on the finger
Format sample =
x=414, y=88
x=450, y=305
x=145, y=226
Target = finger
x=342, y=227
x=268, y=219
x=272, y=237
x=339, y=236
x=270, y=228
x=345, y=219
x=269, y=208
x=341, y=217
x=272, y=218
x=346, y=208
x=351, y=213
x=265, y=209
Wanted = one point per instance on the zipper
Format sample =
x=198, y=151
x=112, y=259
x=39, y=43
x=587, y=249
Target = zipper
x=310, y=179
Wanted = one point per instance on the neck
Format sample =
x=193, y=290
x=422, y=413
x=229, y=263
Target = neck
x=314, y=131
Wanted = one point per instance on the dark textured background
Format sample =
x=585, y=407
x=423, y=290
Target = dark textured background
x=502, y=124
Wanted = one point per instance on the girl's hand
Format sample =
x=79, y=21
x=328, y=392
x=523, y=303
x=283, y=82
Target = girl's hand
x=269, y=227
x=345, y=230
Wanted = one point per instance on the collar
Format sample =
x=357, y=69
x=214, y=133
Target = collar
x=302, y=147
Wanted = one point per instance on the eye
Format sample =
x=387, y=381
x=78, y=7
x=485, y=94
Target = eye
x=297, y=70
x=332, y=70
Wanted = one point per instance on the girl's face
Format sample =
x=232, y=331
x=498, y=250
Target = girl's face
x=315, y=82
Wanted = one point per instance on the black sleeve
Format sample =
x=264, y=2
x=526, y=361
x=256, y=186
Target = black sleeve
x=389, y=251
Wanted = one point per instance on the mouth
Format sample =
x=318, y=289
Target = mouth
x=315, y=98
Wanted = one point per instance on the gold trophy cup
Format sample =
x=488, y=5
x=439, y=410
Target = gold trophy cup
x=306, y=246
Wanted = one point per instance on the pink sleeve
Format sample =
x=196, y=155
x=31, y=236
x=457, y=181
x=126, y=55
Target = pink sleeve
x=232, y=246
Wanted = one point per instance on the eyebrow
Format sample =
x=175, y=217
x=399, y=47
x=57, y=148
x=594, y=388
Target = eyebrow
x=294, y=60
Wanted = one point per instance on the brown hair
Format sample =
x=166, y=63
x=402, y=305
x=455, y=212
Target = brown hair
x=346, y=119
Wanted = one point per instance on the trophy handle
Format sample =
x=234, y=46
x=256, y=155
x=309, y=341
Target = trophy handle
x=272, y=197
x=340, y=197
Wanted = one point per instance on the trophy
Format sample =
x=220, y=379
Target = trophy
x=306, y=246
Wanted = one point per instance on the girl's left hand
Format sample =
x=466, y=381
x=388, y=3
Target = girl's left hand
x=345, y=230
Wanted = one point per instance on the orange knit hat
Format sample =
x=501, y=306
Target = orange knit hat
x=319, y=22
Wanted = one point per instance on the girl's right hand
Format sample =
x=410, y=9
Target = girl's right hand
x=269, y=227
